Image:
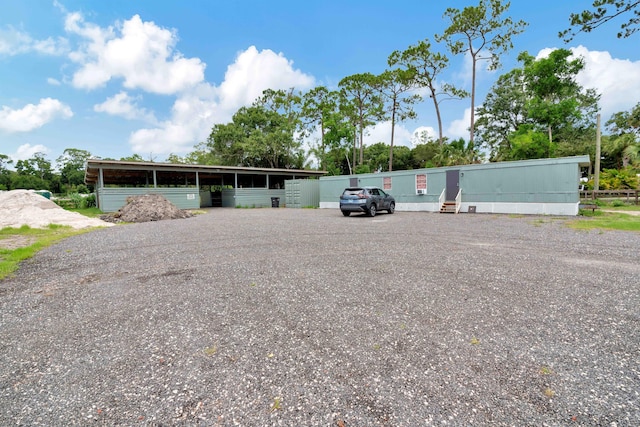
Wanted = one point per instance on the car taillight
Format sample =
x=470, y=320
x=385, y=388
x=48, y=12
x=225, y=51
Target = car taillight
x=363, y=196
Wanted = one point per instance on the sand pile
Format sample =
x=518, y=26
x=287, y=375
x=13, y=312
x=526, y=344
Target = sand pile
x=23, y=207
x=149, y=207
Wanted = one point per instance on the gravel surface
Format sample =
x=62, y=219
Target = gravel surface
x=297, y=317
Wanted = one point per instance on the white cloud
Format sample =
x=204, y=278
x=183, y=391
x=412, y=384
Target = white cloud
x=53, y=82
x=460, y=128
x=14, y=42
x=254, y=71
x=140, y=53
x=125, y=106
x=26, y=151
x=381, y=132
x=33, y=116
x=616, y=80
x=422, y=135
x=196, y=111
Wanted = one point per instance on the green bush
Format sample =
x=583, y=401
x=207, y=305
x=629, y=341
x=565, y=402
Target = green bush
x=90, y=201
x=614, y=179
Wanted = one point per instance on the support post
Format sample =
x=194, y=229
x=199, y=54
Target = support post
x=596, y=179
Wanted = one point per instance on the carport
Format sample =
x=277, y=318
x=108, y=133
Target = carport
x=188, y=186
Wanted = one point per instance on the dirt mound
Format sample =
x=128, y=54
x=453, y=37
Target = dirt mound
x=150, y=207
x=24, y=207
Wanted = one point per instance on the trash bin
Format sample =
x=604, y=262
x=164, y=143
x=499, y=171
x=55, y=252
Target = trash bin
x=275, y=202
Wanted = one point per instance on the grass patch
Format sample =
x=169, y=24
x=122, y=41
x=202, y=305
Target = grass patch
x=40, y=238
x=607, y=221
x=90, y=212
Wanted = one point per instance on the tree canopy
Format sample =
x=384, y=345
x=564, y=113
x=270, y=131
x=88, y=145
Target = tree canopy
x=601, y=12
x=475, y=30
x=538, y=110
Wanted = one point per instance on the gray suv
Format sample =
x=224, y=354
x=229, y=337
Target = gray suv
x=369, y=200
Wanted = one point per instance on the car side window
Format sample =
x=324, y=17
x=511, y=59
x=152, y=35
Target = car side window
x=374, y=192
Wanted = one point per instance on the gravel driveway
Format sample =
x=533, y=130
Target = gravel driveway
x=297, y=317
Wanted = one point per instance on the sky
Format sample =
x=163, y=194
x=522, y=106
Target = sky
x=152, y=77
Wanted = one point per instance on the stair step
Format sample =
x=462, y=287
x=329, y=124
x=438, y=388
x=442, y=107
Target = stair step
x=448, y=207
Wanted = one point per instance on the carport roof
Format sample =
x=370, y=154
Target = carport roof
x=120, y=168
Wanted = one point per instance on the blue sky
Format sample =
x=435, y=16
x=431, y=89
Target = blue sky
x=123, y=77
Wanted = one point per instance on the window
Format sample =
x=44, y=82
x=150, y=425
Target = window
x=386, y=183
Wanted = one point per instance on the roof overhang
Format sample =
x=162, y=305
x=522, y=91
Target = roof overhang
x=123, y=169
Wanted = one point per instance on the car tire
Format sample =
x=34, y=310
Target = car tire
x=392, y=208
x=346, y=213
x=372, y=210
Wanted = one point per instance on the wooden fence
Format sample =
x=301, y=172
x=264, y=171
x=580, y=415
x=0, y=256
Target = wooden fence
x=629, y=195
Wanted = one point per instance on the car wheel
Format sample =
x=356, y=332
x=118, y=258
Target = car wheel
x=392, y=207
x=372, y=210
x=346, y=213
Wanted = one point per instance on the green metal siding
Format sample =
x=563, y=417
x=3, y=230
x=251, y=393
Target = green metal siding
x=257, y=197
x=112, y=199
x=403, y=185
x=302, y=193
x=551, y=183
x=528, y=181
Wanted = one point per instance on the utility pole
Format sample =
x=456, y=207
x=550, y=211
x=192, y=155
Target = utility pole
x=596, y=179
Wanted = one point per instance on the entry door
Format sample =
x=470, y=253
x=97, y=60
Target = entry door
x=453, y=184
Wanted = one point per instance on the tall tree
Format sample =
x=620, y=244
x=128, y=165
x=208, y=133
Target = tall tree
x=557, y=100
x=286, y=103
x=5, y=173
x=623, y=145
x=258, y=137
x=395, y=86
x=319, y=108
x=424, y=66
x=133, y=158
x=35, y=173
x=202, y=155
x=476, y=29
x=603, y=11
x=625, y=121
x=423, y=154
x=541, y=98
x=504, y=110
x=362, y=103
x=71, y=165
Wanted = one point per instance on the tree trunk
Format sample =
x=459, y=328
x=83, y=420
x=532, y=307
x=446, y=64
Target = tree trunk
x=393, y=125
x=473, y=97
x=322, y=147
x=361, y=144
x=438, y=115
x=355, y=148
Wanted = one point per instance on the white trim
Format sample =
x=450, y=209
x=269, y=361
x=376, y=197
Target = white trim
x=524, y=208
x=570, y=209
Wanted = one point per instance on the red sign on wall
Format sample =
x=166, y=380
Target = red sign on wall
x=386, y=183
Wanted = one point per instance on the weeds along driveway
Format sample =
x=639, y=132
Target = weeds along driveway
x=303, y=317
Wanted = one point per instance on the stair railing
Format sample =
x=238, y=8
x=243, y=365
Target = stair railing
x=458, y=200
x=442, y=197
